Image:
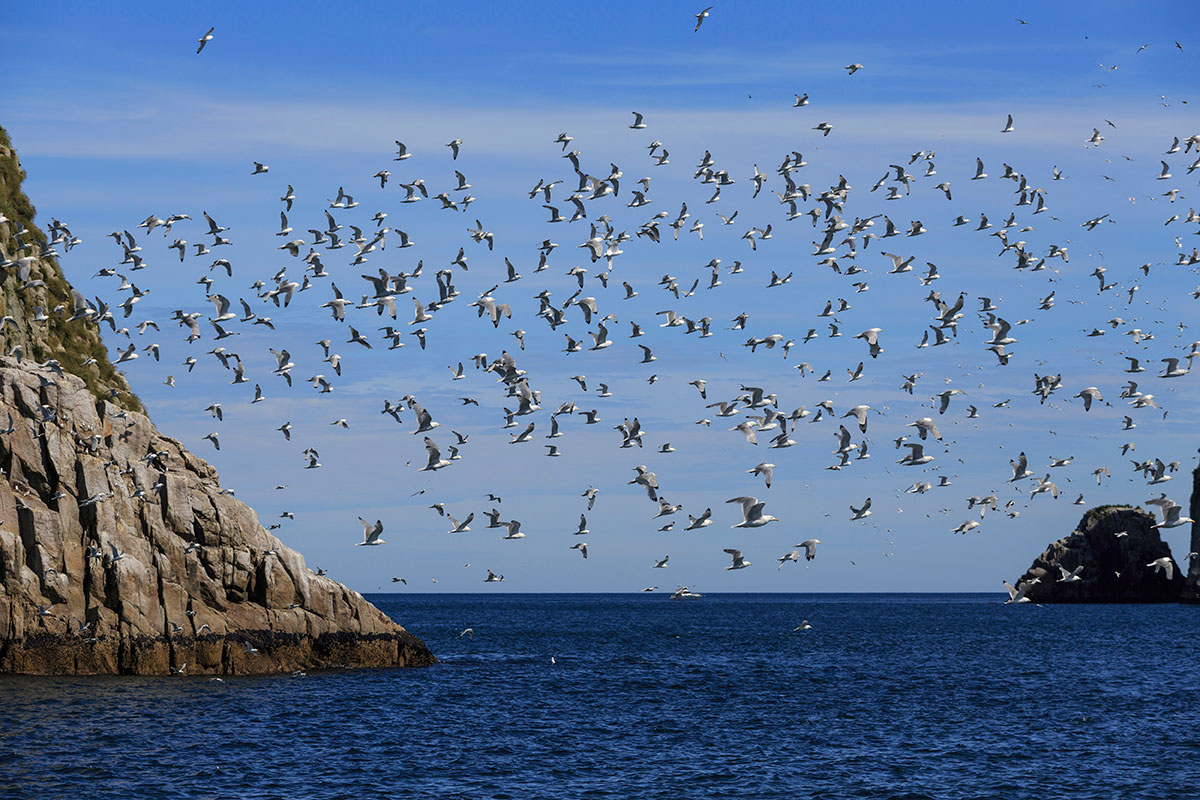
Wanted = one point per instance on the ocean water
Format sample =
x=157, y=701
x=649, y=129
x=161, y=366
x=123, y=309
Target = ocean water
x=887, y=696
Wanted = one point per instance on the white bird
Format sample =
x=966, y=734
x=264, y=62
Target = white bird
x=810, y=548
x=861, y=513
x=1164, y=564
x=1070, y=577
x=916, y=455
x=205, y=39
x=1171, y=513
x=764, y=469
x=752, y=513
x=1017, y=595
x=738, y=561
x=371, y=533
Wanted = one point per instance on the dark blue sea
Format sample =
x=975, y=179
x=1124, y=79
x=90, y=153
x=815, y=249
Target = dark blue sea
x=887, y=696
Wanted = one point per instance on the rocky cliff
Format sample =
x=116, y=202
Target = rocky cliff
x=119, y=550
x=1114, y=545
x=37, y=303
x=1193, y=577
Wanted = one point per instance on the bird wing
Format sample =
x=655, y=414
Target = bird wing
x=748, y=503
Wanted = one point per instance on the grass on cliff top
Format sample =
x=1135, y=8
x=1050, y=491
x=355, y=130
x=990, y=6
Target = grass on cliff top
x=71, y=343
x=1093, y=514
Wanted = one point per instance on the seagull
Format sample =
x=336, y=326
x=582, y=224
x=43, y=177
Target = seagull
x=1163, y=564
x=703, y=521
x=752, y=513
x=794, y=556
x=764, y=469
x=1171, y=513
x=205, y=39
x=861, y=513
x=1017, y=595
x=371, y=533
x=810, y=548
x=738, y=561
x=1070, y=577
x=703, y=15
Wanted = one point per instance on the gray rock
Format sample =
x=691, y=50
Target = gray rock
x=295, y=619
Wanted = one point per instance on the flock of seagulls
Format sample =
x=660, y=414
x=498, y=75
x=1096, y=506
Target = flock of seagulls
x=352, y=265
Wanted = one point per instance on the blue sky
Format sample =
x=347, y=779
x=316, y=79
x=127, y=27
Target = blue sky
x=116, y=117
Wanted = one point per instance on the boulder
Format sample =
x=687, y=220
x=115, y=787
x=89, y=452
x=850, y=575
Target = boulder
x=1115, y=545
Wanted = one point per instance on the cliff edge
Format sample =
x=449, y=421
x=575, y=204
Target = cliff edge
x=119, y=550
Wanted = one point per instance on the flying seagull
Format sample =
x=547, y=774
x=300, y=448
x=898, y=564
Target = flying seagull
x=205, y=39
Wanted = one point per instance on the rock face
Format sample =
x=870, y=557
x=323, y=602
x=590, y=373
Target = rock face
x=108, y=524
x=119, y=551
x=1194, y=513
x=1095, y=545
x=32, y=282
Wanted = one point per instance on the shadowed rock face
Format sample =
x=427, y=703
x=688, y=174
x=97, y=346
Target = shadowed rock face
x=99, y=511
x=1095, y=545
x=1194, y=513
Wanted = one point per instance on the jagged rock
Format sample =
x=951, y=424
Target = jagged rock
x=1114, y=567
x=85, y=481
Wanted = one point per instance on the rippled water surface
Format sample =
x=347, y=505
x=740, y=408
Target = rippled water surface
x=905, y=696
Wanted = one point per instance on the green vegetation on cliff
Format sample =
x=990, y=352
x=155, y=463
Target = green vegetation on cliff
x=70, y=343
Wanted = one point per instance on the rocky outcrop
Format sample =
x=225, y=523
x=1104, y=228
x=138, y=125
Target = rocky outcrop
x=119, y=550
x=37, y=303
x=1114, y=566
x=120, y=553
x=1194, y=512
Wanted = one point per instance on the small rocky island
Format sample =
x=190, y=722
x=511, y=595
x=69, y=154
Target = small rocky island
x=1114, y=546
x=119, y=550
